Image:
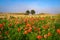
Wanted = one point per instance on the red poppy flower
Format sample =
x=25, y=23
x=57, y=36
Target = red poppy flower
x=25, y=20
x=42, y=18
x=17, y=22
x=25, y=32
x=32, y=23
x=45, y=36
x=29, y=30
x=25, y=28
x=45, y=27
x=38, y=29
x=32, y=19
x=49, y=34
x=6, y=32
x=0, y=32
x=18, y=29
x=10, y=24
x=35, y=28
x=1, y=25
x=39, y=37
x=58, y=31
x=28, y=25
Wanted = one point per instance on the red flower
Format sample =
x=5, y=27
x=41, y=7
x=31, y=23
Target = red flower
x=45, y=27
x=42, y=18
x=25, y=28
x=6, y=32
x=25, y=32
x=10, y=24
x=28, y=25
x=38, y=29
x=17, y=22
x=45, y=36
x=32, y=23
x=49, y=34
x=39, y=37
x=58, y=31
x=35, y=29
x=1, y=25
x=18, y=29
x=29, y=30
x=0, y=32
x=25, y=20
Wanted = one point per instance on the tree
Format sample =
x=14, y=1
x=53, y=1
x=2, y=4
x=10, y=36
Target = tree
x=27, y=12
x=32, y=12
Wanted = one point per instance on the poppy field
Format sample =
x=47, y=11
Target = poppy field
x=30, y=28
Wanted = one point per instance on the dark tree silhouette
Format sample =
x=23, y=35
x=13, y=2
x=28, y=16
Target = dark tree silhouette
x=27, y=12
x=32, y=12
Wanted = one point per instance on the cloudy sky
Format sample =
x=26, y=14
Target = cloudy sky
x=40, y=6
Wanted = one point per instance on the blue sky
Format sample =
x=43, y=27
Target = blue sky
x=40, y=6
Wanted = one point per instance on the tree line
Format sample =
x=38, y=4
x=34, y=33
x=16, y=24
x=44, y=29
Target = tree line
x=30, y=12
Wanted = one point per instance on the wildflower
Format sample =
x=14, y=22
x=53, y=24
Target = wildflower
x=6, y=32
x=42, y=18
x=38, y=29
x=1, y=25
x=39, y=37
x=45, y=36
x=29, y=30
x=49, y=34
x=45, y=27
x=10, y=24
x=25, y=32
x=18, y=29
x=0, y=32
x=25, y=28
x=58, y=31
x=25, y=20
x=32, y=23
x=28, y=25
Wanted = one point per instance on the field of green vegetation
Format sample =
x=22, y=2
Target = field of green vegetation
x=30, y=28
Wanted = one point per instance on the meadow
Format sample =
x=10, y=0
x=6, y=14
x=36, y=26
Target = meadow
x=30, y=27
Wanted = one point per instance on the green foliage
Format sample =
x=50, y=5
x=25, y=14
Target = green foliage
x=27, y=12
x=32, y=12
x=14, y=29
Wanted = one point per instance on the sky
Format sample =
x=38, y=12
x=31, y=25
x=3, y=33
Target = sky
x=40, y=6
